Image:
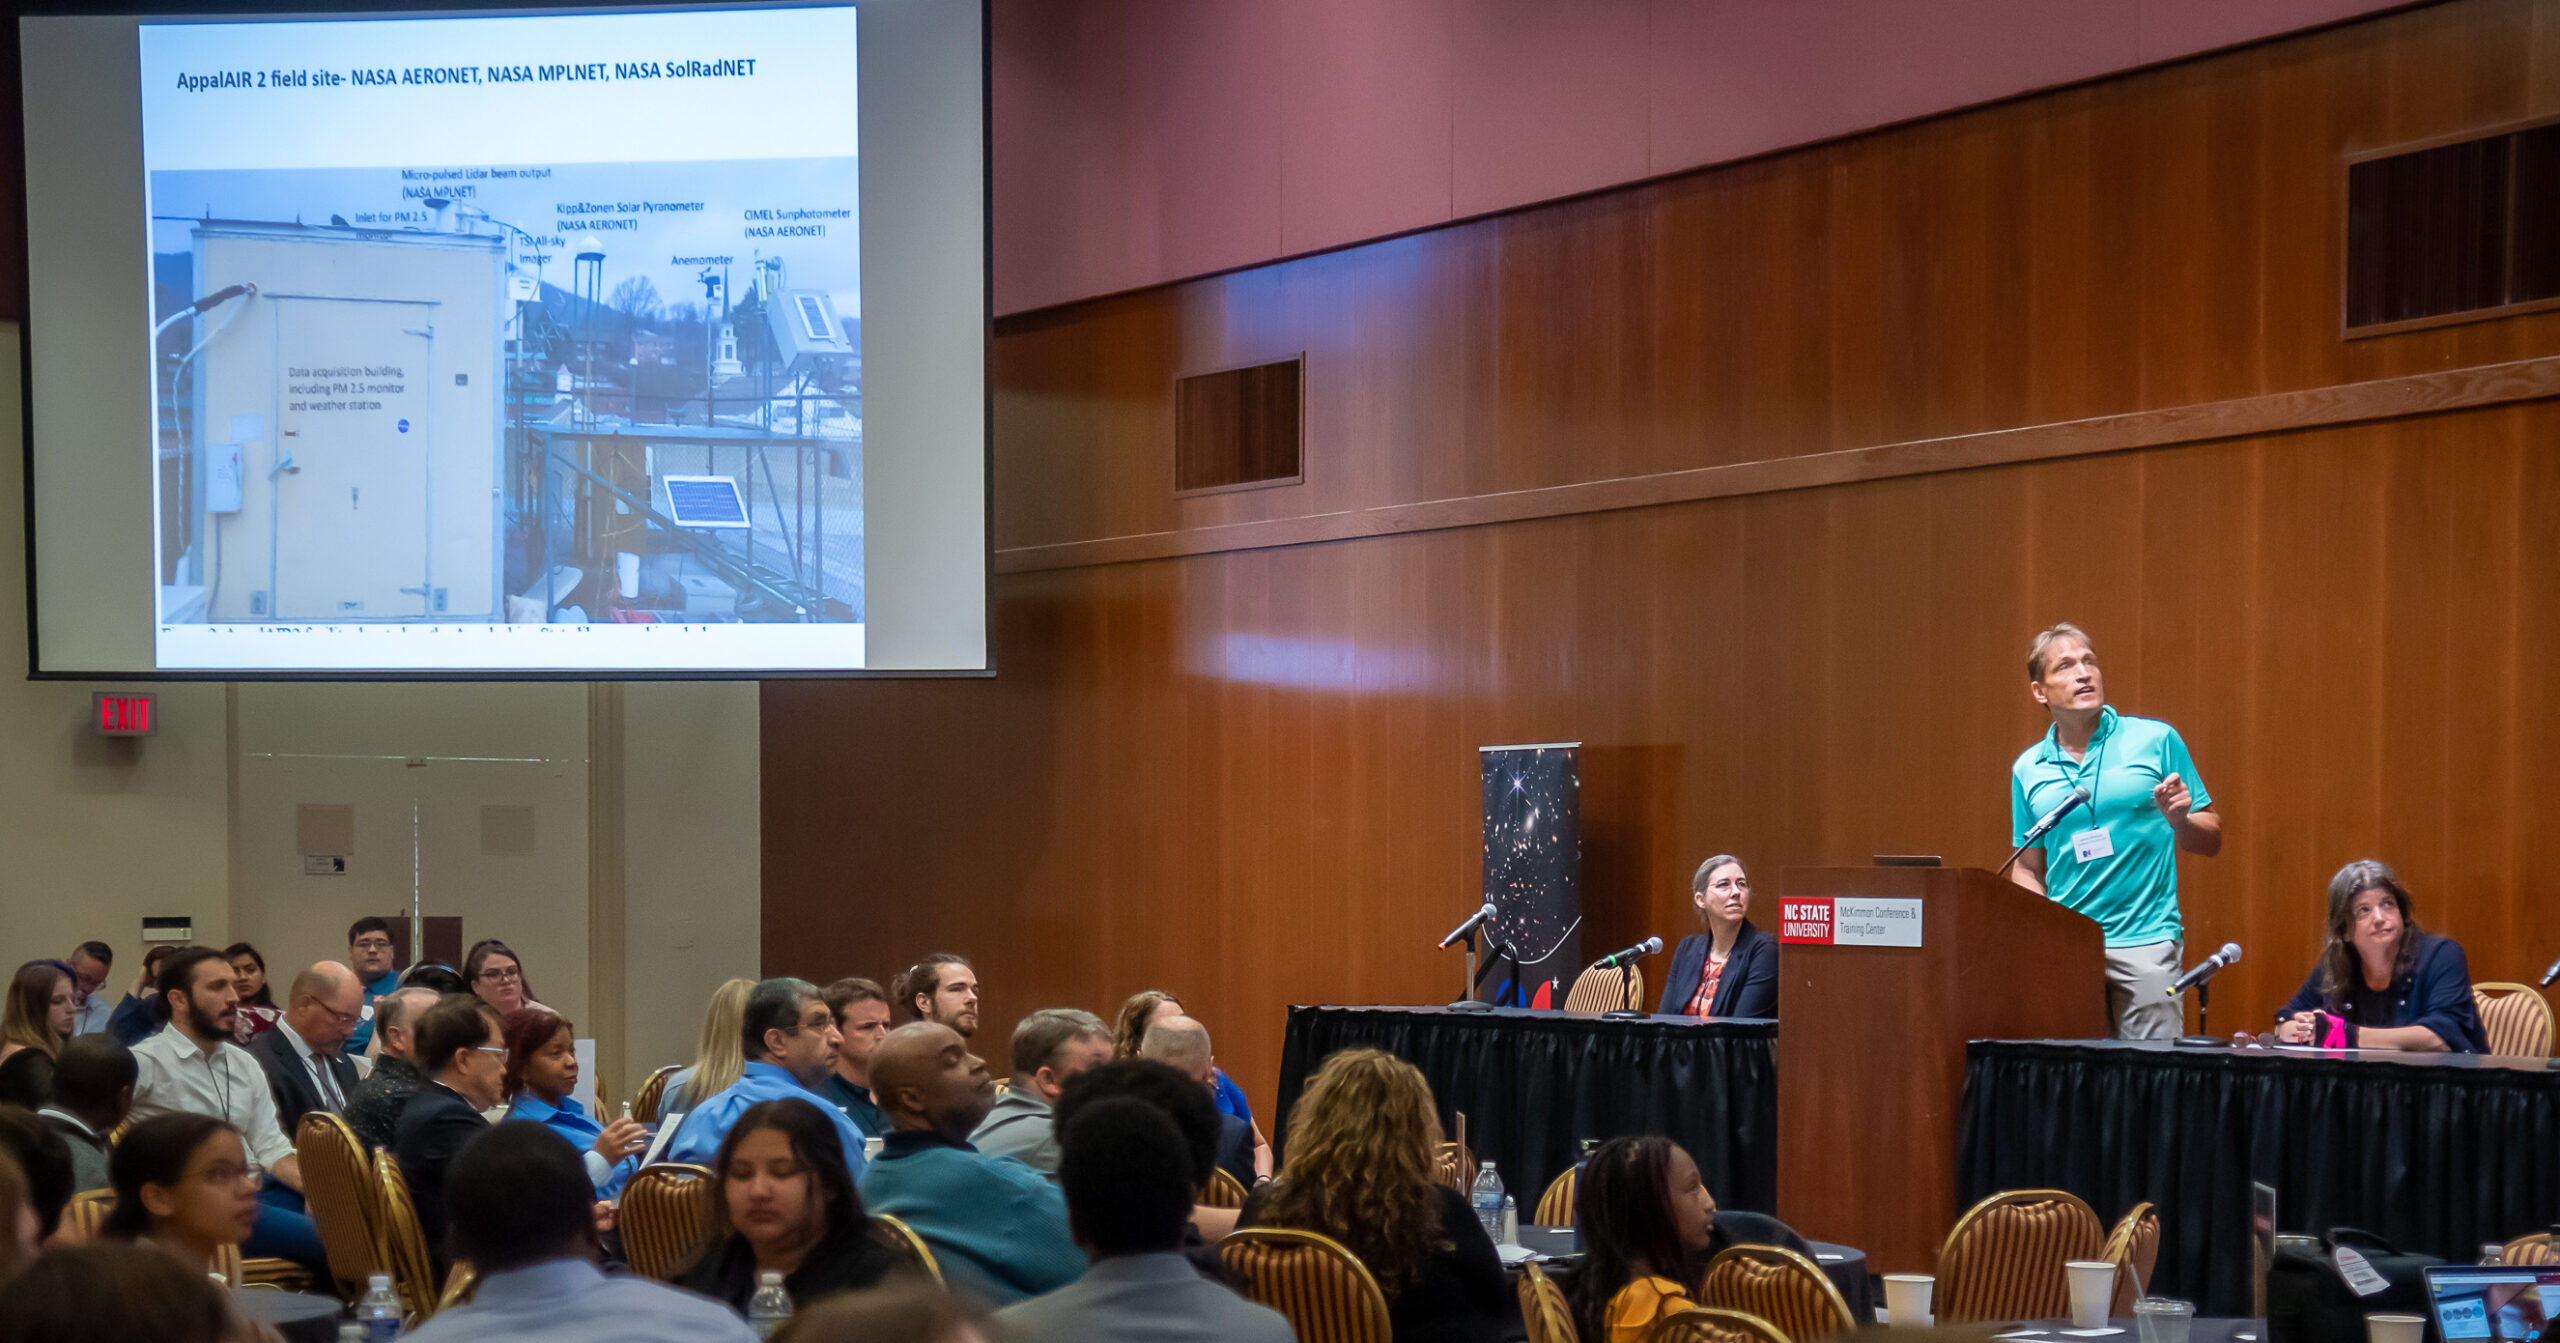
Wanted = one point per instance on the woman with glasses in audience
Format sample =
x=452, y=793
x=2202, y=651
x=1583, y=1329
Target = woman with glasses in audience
x=258, y=1012
x=1361, y=1142
x=1146, y=1008
x=786, y=1205
x=2381, y=983
x=542, y=1071
x=184, y=1183
x=720, y=1058
x=496, y=973
x=35, y=1022
x=1728, y=968
x=1648, y=1223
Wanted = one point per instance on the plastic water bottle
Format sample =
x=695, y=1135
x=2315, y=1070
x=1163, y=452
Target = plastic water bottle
x=350, y=1332
x=379, y=1311
x=1488, y=1201
x=769, y=1307
x=2493, y=1254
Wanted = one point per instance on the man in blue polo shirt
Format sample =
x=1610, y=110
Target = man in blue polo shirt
x=2113, y=858
x=790, y=1042
x=369, y=952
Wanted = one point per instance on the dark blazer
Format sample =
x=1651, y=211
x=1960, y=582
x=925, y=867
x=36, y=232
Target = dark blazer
x=840, y=1263
x=1235, y=1148
x=290, y=1082
x=432, y=1131
x=2436, y=994
x=1750, y=984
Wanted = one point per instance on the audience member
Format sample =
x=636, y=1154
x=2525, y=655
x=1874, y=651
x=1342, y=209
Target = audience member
x=541, y=1074
x=373, y=1108
x=1647, y=1221
x=1360, y=1162
x=1126, y=1173
x=718, y=1056
x=998, y=1227
x=862, y=1022
x=1194, y=1116
x=143, y=1010
x=787, y=1205
x=90, y=964
x=305, y=1057
x=523, y=1214
x=436, y=975
x=899, y=1311
x=44, y=1160
x=789, y=1039
x=1183, y=1043
x=192, y=1067
x=943, y=989
x=256, y=1012
x=116, y=1293
x=369, y=953
x=1142, y=1010
x=92, y=1093
x=20, y=1238
x=34, y=1022
x=1049, y=1046
x=496, y=973
x=463, y=1056
x=185, y=1183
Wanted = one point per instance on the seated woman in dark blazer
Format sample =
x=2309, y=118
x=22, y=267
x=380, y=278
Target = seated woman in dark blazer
x=787, y=1204
x=1730, y=969
x=2381, y=983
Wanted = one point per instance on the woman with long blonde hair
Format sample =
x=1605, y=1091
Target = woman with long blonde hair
x=35, y=1022
x=1360, y=1171
x=721, y=1056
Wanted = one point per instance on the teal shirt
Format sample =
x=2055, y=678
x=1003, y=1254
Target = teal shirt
x=2133, y=892
x=374, y=988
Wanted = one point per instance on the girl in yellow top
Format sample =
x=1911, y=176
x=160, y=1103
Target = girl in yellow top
x=1647, y=1220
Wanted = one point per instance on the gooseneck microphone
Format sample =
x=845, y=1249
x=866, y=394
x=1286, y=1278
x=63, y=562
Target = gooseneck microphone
x=2551, y=974
x=1638, y=952
x=1474, y=921
x=2044, y=826
x=2207, y=968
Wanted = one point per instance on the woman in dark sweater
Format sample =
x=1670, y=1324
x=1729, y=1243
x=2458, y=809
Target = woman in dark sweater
x=1359, y=1170
x=2381, y=983
x=1729, y=968
x=788, y=1206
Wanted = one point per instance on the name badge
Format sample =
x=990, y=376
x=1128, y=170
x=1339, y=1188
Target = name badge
x=2092, y=844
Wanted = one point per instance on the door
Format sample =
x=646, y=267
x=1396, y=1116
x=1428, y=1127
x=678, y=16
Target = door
x=351, y=512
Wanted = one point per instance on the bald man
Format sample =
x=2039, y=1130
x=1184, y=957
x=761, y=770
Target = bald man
x=304, y=1057
x=1183, y=1043
x=998, y=1227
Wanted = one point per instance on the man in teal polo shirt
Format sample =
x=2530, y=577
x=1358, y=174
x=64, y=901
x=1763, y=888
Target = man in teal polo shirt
x=2115, y=857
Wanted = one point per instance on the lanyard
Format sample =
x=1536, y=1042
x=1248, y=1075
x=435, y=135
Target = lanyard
x=2089, y=773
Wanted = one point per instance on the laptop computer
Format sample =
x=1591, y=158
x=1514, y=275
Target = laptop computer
x=2493, y=1303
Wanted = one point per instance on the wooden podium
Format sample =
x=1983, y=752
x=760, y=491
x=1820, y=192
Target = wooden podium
x=1871, y=1039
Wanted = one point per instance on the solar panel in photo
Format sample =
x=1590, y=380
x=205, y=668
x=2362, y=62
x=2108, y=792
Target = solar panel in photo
x=705, y=501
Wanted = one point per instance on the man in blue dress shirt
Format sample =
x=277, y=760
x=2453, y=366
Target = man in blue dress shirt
x=790, y=1040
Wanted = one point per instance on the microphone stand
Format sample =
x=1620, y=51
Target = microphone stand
x=1626, y=971
x=1468, y=1001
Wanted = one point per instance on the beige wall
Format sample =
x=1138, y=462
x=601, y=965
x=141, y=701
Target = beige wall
x=200, y=819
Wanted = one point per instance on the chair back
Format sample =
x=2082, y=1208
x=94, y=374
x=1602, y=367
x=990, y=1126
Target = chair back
x=82, y=1216
x=1222, y=1190
x=1780, y=1286
x=344, y=1197
x=906, y=1244
x=2003, y=1260
x=1328, y=1295
x=1711, y=1324
x=2134, y=1248
x=404, y=1241
x=1544, y=1309
x=2516, y=1019
x=1612, y=990
x=459, y=1287
x=666, y=1218
x=1453, y=1165
x=226, y=1261
x=1555, y=1207
x=644, y=1107
x=2531, y=1251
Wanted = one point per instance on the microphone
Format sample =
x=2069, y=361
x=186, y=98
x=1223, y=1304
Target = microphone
x=1637, y=952
x=2206, y=968
x=2551, y=974
x=1474, y=921
x=2046, y=824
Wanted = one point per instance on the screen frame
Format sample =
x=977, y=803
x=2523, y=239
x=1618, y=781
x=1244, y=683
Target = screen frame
x=12, y=86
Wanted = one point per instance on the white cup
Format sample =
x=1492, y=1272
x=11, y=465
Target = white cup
x=2093, y=1289
x=626, y=570
x=2395, y=1328
x=1907, y=1298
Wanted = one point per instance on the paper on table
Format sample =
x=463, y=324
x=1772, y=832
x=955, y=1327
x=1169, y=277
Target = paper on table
x=1515, y=1254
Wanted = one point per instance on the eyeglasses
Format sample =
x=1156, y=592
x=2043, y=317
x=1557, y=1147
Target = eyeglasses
x=223, y=1173
x=501, y=974
x=374, y=944
x=499, y=1050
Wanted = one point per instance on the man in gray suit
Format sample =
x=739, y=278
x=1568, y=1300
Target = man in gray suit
x=1127, y=1175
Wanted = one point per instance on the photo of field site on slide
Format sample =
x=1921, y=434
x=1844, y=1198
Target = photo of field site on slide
x=568, y=394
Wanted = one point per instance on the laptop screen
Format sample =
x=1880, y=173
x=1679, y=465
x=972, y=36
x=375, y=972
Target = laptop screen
x=2493, y=1303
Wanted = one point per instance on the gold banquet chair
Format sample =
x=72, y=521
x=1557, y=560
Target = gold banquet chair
x=1222, y=1190
x=82, y=1216
x=2134, y=1248
x=2516, y=1019
x=906, y=1244
x=1328, y=1295
x=344, y=1196
x=404, y=1242
x=2532, y=1251
x=1781, y=1286
x=1708, y=1324
x=1544, y=1309
x=666, y=1217
x=653, y=1093
x=2003, y=1260
x=1612, y=990
x=1452, y=1165
x=1555, y=1207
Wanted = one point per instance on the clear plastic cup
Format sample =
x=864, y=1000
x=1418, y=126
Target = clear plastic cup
x=1907, y=1297
x=2158, y=1319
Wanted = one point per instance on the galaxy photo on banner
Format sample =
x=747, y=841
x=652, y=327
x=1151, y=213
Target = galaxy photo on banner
x=1533, y=862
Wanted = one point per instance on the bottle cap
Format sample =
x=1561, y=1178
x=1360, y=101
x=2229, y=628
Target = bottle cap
x=769, y=1278
x=380, y=1282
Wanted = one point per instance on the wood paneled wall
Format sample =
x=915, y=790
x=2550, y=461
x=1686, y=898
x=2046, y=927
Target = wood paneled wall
x=1245, y=771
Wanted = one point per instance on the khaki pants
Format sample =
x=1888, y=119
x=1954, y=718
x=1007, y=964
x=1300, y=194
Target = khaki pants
x=2138, y=1001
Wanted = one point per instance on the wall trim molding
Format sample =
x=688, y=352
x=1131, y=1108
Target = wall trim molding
x=2202, y=422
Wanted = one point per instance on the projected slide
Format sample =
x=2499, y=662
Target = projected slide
x=523, y=342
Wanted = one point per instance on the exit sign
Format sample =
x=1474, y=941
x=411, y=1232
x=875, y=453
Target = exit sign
x=124, y=715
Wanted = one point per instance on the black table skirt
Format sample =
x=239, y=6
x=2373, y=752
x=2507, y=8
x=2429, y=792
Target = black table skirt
x=2438, y=1154
x=1534, y=1084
